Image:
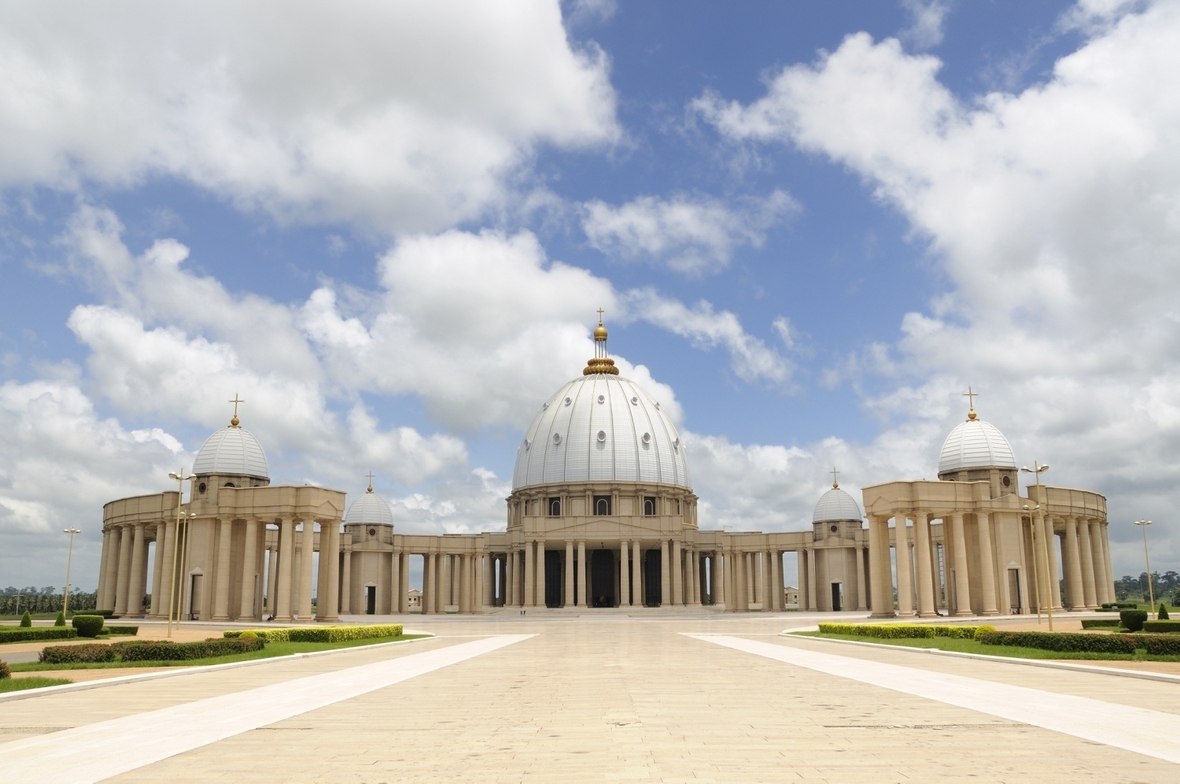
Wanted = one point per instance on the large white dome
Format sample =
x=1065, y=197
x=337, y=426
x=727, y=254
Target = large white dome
x=601, y=428
x=232, y=450
x=370, y=508
x=836, y=505
x=975, y=444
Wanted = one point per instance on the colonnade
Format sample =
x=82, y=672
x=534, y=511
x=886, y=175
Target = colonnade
x=811, y=596
x=1085, y=558
x=122, y=572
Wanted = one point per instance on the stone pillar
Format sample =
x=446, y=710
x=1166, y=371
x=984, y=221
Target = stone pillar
x=718, y=582
x=307, y=542
x=801, y=576
x=510, y=579
x=530, y=574
x=1107, y=592
x=922, y=557
x=750, y=584
x=125, y=537
x=962, y=578
x=104, y=558
x=1054, y=570
x=249, y=572
x=488, y=564
x=624, y=575
x=395, y=581
x=568, y=599
x=1074, y=592
x=346, y=582
x=1089, y=572
x=272, y=581
x=154, y=609
x=636, y=576
x=695, y=565
x=812, y=595
x=665, y=576
x=862, y=603
x=581, y=566
x=677, y=575
x=138, y=581
x=282, y=611
x=880, y=568
x=905, y=588
x=541, y=582
x=329, y=605
x=987, y=567
x=221, y=570
x=403, y=592
x=465, y=583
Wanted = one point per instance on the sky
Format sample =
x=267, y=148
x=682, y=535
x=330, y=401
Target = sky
x=389, y=227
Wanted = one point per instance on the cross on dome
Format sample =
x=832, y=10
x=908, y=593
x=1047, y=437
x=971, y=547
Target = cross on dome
x=370, y=482
x=834, y=473
x=970, y=402
x=234, y=422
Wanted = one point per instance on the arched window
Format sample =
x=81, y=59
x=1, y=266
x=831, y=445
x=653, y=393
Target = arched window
x=555, y=507
x=649, y=507
x=602, y=504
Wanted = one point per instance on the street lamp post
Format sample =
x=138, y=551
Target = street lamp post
x=177, y=548
x=1043, y=551
x=65, y=597
x=1147, y=560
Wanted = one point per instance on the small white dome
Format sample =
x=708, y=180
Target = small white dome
x=232, y=450
x=975, y=444
x=370, y=508
x=836, y=505
x=601, y=428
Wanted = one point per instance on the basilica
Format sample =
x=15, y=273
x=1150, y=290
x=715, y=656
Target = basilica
x=601, y=515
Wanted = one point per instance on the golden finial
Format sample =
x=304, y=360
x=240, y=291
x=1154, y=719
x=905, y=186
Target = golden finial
x=234, y=422
x=970, y=403
x=601, y=363
x=835, y=484
x=370, y=483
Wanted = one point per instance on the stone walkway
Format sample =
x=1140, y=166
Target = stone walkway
x=603, y=698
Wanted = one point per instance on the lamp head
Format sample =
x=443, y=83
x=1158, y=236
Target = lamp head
x=174, y=475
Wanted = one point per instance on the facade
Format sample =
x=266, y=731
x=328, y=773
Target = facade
x=601, y=515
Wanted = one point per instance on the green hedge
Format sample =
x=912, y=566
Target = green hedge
x=322, y=633
x=1120, y=606
x=17, y=634
x=1100, y=623
x=1159, y=644
x=147, y=650
x=1162, y=627
x=88, y=625
x=899, y=631
x=1133, y=620
x=1071, y=642
x=127, y=630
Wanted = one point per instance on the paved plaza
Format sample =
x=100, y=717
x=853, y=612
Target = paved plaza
x=689, y=696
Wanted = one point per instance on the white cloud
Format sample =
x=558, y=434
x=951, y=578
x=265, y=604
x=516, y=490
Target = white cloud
x=927, y=18
x=396, y=117
x=583, y=11
x=1054, y=213
x=693, y=235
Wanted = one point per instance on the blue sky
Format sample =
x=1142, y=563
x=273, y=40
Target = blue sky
x=811, y=225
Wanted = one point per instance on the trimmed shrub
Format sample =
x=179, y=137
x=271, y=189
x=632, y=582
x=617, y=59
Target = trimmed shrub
x=249, y=634
x=1100, y=623
x=339, y=633
x=1067, y=642
x=1133, y=620
x=26, y=621
x=61, y=619
x=982, y=630
x=88, y=625
x=1162, y=627
x=4, y=671
x=1162, y=615
x=163, y=650
x=1160, y=644
x=890, y=631
x=1119, y=606
x=87, y=653
x=130, y=631
x=17, y=634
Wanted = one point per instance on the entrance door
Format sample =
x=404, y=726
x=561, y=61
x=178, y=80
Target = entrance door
x=370, y=600
x=194, y=601
x=553, y=578
x=651, y=578
x=1014, y=591
x=837, y=596
x=602, y=578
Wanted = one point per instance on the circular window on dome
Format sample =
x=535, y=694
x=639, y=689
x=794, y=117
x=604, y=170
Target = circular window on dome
x=647, y=438
x=201, y=488
x=676, y=445
x=1006, y=481
x=657, y=405
x=835, y=528
x=526, y=444
x=569, y=400
x=635, y=401
x=602, y=398
x=544, y=406
x=372, y=532
x=557, y=438
x=601, y=436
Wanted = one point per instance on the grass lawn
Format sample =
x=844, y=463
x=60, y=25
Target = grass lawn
x=971, y=646
x=270, y=651
x=20, y=684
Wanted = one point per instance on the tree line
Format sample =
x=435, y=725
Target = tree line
x=1166, y=587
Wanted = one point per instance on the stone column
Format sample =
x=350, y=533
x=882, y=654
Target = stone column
x=624, y=575
x=138, y=582
x=329, y=605
x=395, y=581
x=530, y=574
x=465, y=583
x=103, y=559
x=581, y=566
x=272, y=581
x=158, y=559
x=510, y=579
x=282, y=611
x=862, y=603
x=962, y=578
x=488, y=564
x=695, y=565
x=307, y=540
x=568, y=599
x=249, y=571
x=636, y=576
x=1103, y=530
x=922, y=556
x=665, y=574
x=221, y=570
x=677, y=575
x=441, y=589
x=1073, y=566
x=541, y=598
x=905, y=588
x=718, y=583
x=987, y=567
x=880, y=568
x=1050, y=541
x=801, y=576
x=812, y=588
x=1088, y=570
x=403, y=592
x=124, y=584
x=346, y=582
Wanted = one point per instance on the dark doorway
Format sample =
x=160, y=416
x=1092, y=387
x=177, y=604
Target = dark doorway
x=602, y=578
x=553, y=573
x=837, y=595
x=370, y=600
x=651, y=578
x=194, y=596
x=1014, y=591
